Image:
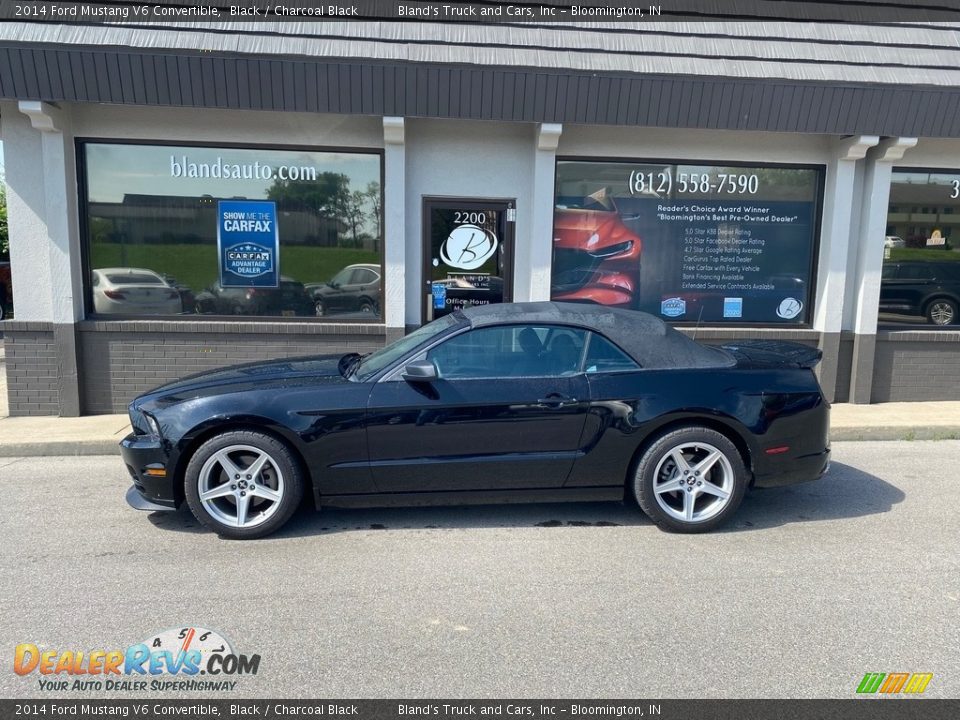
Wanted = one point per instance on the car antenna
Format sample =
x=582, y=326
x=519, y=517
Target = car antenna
x=697, y=327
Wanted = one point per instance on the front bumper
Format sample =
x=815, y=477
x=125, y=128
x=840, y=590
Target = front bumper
x=141, y=453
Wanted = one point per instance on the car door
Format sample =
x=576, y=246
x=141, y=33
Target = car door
x=505, y=412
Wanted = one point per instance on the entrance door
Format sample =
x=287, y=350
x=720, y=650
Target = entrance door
x=468, y=254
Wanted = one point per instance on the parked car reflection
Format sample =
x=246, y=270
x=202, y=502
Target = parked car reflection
x=6, y=290
x=133, y=291
x=356, y=288
x=917, y=289
x=289, y=299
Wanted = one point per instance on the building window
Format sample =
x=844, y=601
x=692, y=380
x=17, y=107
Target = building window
x=688, y=243
x=244, y=232
x=920, y=283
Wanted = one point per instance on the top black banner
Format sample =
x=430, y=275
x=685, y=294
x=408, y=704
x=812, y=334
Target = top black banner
x=607, y=12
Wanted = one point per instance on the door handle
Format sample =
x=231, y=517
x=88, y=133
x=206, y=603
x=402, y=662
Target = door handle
x=556, y=400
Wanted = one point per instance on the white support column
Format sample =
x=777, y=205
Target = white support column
x=532, y=271
x=873, y=224
x=45, y=217
x=394, y=226
x=836, y=239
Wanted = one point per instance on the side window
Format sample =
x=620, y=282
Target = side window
x=510, y=351
x=604, y=356
x=486, y=352
x=364, y=277
x=916, y=272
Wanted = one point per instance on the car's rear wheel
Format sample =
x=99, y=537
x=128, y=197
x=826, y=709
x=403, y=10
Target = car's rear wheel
x=690, y=480
x=367, y=306
x=319, y=308
x=243, y=484
x=942, y=311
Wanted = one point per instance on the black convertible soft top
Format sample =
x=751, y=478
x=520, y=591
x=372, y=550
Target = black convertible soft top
x=647, y=339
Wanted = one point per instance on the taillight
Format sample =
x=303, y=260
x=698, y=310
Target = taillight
x=114, y=294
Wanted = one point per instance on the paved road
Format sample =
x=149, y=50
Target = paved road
x=810, y=588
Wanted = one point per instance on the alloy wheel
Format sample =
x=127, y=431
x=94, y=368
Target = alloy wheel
x=941, y=312
x=240, y=486
x=693, y=482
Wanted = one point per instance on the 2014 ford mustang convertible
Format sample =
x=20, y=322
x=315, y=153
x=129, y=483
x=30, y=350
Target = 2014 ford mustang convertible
x=495, y=403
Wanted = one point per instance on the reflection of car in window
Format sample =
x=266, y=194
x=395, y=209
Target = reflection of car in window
x=133, y=291
x=288, y=299
x=6, y=290
x=596, y=258
x=921, y=289
x=356, y=288
x=894, y=241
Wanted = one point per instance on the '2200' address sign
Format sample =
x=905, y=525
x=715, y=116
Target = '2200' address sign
x=248, y=243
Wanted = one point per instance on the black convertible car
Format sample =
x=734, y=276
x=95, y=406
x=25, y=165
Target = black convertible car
x=496, y=403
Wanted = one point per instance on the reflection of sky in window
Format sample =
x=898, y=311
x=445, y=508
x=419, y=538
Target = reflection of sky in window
x=117, y=170
x=924, y=178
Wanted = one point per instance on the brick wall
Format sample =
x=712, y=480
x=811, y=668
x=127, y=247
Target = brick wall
x=31, y=360
x=120, y=360
x=914, y=365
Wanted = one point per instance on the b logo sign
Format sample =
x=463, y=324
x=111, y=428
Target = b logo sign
x=468, y=247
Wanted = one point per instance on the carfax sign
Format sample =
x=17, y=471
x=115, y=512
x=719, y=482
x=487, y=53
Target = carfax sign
x=248, y=243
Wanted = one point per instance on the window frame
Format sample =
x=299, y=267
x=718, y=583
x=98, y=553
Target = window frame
x=820, y=170
x=83, y=213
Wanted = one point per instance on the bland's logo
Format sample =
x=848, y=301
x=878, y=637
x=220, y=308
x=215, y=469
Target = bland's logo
x=673, y=307
x=789, y=308
x=468, y=247
x=188, y=651
x=249, y=260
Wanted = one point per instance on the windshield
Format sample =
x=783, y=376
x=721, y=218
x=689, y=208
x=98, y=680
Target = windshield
x=375, y=362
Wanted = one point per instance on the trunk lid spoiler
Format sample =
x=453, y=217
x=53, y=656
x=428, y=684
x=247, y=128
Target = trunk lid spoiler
x=773, y=353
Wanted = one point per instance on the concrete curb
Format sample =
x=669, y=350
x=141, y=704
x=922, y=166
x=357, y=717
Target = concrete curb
x=931, y=432
x=65, y=448
x=75, y=448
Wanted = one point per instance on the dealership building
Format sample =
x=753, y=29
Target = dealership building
x=188, y=195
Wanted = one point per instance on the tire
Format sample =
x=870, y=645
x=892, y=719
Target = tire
x=941, y=311
x=215, y=499
x=319, y=308
x=367, y=305
x=690, y=507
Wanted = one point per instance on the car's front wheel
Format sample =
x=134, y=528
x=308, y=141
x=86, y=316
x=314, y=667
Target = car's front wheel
x=690, y=480
x=243, y=484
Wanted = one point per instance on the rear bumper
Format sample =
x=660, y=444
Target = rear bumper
x=140, y=454
x=800, y=469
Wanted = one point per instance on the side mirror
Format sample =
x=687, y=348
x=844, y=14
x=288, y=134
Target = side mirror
x=421, y=371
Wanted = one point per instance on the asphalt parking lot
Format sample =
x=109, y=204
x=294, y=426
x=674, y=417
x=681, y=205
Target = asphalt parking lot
x=809, y=588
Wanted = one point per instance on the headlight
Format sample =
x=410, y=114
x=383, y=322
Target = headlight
x=612, y=250
x=152, y=424
x=143, y=423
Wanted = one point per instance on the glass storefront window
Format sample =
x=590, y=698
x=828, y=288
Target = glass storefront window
x=688, y=243
x=178, y=230
x=920, y=283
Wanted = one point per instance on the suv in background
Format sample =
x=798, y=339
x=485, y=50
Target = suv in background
x=925, y=289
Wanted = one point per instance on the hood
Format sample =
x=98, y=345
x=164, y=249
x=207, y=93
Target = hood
x=318, y=367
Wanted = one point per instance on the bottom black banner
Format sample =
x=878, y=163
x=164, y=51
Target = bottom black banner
x=853, y=709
